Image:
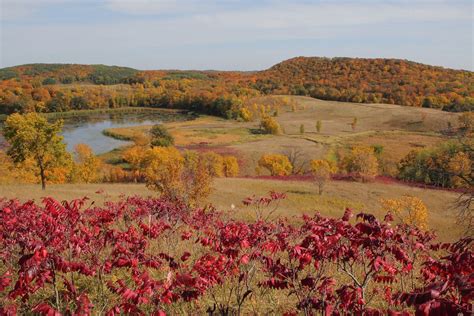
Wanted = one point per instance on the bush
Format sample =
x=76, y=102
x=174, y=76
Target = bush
x=152, y=256
x=361, y=162
x=160, y=136
x=277, y=165
x=270, y=126
x=231, y=166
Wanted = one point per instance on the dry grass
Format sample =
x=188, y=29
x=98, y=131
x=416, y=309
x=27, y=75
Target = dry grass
x=302, y=197
x=399, y=129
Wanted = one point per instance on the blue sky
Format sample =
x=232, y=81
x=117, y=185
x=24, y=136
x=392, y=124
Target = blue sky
x=231, y=34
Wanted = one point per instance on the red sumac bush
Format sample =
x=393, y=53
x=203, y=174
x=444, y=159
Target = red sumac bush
x=152, y=256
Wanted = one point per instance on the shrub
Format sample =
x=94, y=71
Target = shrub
x=319, y=125
x=161, y=137
x=276, y=164
x=409, y=210
x=87, y=167
x=152, y=256
x=231, y=166
x=322, y=170
x=270, y=126
x=361, y=162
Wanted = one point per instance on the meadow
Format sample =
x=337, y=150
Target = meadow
x=398, y=129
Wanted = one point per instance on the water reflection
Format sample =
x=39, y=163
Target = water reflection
x=88, y=128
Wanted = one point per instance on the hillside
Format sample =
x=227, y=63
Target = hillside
x=64, y=87
x=49, y=74
x=392, y=81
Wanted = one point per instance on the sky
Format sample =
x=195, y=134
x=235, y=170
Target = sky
x=231, y=34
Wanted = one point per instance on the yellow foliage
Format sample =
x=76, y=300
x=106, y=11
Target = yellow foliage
x=88, y=167
x=322, y=170
x=409, y=210
x=276, y=164
x=270, y=125
x=460, y=166
x=231, y=166
x=361, y=161
x=176, y=177
x=246, y=115
x=214, y=163
x=135, y=156
x=20, y=173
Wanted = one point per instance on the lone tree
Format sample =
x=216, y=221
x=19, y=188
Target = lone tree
x=302, y=129
x=160, y=137
x=322, y=171
x=31, y=137
x=354, y=123
x=319, y=124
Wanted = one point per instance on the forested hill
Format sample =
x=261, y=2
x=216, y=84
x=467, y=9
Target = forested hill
x=68, y=73
x=371, y=81
x=64, y=87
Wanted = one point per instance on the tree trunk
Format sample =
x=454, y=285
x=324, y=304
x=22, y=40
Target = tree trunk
x=43, y=178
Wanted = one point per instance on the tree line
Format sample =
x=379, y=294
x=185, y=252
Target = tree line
x=57, y=88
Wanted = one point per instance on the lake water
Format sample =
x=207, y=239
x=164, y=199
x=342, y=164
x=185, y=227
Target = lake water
x=88, y=128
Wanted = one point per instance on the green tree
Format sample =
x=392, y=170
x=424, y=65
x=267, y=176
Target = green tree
x=319, y=124
x=160, y=137
x=31, y=136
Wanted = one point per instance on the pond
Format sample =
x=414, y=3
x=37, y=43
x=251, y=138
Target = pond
x=88, y=128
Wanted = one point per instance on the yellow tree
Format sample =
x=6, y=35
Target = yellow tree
x=163, y=171
x=176, y=177
x=231, y=166
x=270, y=126
x=322, y=171
x=409, y=210
x=88, y=166
x=361, y=162
x=31, y=136
x=276, y=164
x=214, y=163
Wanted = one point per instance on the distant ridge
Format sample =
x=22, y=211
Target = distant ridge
x=361, y=80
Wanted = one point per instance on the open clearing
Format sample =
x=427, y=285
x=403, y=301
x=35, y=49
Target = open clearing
x=302, y=197
x=398, y=128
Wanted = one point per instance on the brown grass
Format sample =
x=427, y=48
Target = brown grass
x=302, y=197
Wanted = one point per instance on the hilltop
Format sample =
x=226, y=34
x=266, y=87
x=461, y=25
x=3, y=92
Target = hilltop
x=68, y=73
x=362, y=80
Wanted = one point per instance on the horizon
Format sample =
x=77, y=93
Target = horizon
x=233, y=35
x=231, y=70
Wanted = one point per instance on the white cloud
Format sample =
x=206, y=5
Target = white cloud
x=175, y=33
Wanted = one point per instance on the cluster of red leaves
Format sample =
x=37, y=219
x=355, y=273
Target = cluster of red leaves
x=66, y=258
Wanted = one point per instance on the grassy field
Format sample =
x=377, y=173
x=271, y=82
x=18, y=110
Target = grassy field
x=398, y=128
x=302, y=197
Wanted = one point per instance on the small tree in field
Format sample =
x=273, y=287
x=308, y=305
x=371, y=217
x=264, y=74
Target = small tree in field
x=231, y=166
x=409, y=209
x=32, y=137
x=319, y=125
x=277, y=165
x=321, y=170
x=354, y=123
x=361, y=162
x=176, y=177
x=160, y=137
x=270, y=126
x=87, y=167
x=302, y=129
